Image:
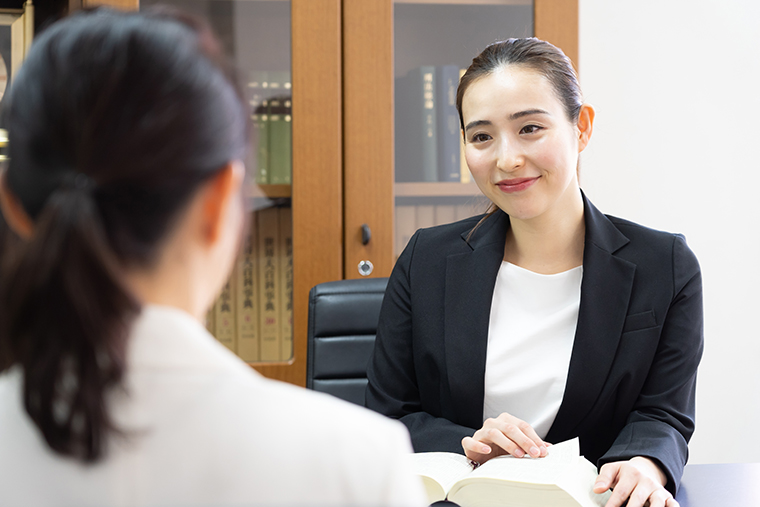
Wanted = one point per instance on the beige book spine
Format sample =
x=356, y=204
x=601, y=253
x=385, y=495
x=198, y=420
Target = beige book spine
x=269, y=295
x=464, y=171
x=209, y=320
x=286, y=282
x=425, y=216
x=465, y=211
x=405, y=227
x=445, y=214
x=247, y=302
x=224, y=316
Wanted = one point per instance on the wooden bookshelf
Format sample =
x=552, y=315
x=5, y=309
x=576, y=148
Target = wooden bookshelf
x=436, y=189
x=269, y=191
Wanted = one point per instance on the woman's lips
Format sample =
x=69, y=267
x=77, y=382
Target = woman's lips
x=516, y=184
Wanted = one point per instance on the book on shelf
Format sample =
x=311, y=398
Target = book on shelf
x=270, y=98
x=463, y=211
x=448, y=137
x=285, y=278
x=416, y=124
x=445, y=214
x=270, y=333
x=563, y=478
x=224, y=316
x=464, y=170
x=410, y=217
x=429, y=142
x=406, y=225
x=209, y=320
x=253, y=315
x=247, y=301
x=425, y=216
x=258, y=95
x=280, y=137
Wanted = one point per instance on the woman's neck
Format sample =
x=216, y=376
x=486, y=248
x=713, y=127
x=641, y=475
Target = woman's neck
x=551, y=243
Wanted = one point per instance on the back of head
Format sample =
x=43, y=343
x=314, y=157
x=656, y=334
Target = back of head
x=115, y=120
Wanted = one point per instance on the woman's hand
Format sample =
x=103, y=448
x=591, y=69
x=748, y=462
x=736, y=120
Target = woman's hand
x=504, y=435
x=638, y=480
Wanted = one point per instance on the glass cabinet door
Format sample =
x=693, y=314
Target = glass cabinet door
x=253, y=315
x=403, y=165
x=434, y=42
x=287, y=54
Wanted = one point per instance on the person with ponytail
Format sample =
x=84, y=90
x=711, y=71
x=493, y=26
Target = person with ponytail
x=126, y=135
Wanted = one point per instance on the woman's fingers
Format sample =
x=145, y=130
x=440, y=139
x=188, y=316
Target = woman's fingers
x=470, y=445
x=504, y=434
x=607, y=477
x=518, y=436
x=634, y=483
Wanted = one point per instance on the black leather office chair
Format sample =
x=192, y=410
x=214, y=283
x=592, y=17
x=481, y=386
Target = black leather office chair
x=343, y=319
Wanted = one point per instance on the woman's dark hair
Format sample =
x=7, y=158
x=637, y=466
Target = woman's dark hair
x=115, y=120
x=530, y=53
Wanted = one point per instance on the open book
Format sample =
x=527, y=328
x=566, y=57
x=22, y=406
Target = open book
x=564, y=478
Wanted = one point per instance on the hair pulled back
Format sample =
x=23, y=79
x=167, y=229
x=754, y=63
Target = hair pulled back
x=531, y=53
x=115, y=120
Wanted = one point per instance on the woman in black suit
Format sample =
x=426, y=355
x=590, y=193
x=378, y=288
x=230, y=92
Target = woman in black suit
x=471, y=367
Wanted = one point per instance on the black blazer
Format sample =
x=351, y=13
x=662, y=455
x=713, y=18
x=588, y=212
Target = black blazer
x=638, y=341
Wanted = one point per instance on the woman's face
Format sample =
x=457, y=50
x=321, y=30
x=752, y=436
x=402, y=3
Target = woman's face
x=520, y=146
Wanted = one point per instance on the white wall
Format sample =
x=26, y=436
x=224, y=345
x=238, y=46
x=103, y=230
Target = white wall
x=676, y=146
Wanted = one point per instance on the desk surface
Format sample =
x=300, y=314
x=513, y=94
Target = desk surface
x=734, y=484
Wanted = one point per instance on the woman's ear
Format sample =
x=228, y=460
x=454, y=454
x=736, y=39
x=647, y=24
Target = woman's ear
x=220, y=193
x=585, y=125
x=14, y=213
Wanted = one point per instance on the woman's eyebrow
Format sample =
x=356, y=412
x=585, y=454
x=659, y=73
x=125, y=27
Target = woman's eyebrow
x=513, y=116
x=476, y=123
x=527, y=112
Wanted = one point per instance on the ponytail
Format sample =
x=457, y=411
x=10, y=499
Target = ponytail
x=150, y=115
x=66, y=321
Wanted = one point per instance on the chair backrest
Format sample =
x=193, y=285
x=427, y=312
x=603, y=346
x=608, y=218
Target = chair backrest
x=343, y=318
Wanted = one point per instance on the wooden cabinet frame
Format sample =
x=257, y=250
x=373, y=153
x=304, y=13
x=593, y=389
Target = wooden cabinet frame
x=317, y=166
x=368, y=118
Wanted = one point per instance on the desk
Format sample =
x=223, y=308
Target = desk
x=729, y=485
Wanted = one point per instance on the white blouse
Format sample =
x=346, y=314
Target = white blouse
x=201, y=429
x=530, y=340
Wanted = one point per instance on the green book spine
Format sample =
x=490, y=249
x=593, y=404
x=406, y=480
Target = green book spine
x=280, y=142
x=258, y=89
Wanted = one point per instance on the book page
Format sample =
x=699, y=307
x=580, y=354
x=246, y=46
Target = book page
x=445, y=468
x=579, y=483
x=546, y=470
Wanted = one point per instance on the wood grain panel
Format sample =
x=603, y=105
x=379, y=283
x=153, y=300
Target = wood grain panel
x=556, y=21
x=317, y=166
x=368, y=135
x=127, y=5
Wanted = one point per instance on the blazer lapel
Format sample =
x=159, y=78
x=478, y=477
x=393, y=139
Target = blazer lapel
x=605, y=293
x=470, y=280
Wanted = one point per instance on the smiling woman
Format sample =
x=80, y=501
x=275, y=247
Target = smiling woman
x=544, y=319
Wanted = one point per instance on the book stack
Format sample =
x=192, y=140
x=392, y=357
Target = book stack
x=409, y=218
x=253, y=315
x=429, y=143
x=269, y=94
